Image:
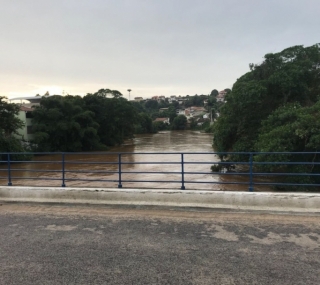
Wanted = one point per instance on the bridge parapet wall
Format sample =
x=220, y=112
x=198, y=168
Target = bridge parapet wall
x=288, y=202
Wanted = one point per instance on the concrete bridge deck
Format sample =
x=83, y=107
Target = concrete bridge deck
x=59, y=244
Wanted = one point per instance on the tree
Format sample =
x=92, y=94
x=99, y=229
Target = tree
x=171, y=113
x=214, y=92
x=144, y=124
x=109, y=93
x=139, y=106
x=152, y=105
x=159, y=126
x=9, y=122
x=193, y=123
x=285, y=77
x=116, y=116
x=195, y=101
x=296, y=129
x=179, y=123
x=275, y=108
x=63, y=124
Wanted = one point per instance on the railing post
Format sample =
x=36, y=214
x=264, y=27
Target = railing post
x=119, y=167
x=251, y=173
x=63, y=171
x=9, y=171
x=182, y=173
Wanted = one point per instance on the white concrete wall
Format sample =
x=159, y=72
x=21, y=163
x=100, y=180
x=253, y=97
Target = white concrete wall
x=295, y=202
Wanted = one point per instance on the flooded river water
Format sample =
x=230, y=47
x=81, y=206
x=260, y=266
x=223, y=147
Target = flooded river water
x=102, y=168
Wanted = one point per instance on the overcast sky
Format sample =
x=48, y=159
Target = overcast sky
x=154, y=47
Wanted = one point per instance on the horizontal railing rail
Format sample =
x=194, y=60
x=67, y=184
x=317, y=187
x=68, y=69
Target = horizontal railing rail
x=179, y=168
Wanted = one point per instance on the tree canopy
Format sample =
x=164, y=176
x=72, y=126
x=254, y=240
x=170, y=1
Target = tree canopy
x=9, y=124
x=275, y=108
x=73, y=123
x=179, y=123
x=290, y=76
x=214, y=92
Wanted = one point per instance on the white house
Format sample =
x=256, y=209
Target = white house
x=25, y=115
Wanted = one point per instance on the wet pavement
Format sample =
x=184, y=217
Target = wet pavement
x=43, y=244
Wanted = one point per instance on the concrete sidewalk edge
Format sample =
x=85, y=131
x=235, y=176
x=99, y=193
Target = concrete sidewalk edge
x=290, y=202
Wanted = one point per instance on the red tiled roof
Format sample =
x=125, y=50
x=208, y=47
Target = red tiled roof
x=160, y=119
x=26, y=109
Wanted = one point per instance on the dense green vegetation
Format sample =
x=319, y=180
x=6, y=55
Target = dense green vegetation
x=101, y=119
x=9, y=124
x=92, y=122
x=179, y=123
x=275, y=107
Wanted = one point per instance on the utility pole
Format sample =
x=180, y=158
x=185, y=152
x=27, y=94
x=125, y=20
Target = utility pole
x=129, y=90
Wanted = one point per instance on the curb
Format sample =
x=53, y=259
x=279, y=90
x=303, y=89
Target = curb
x=283, y=202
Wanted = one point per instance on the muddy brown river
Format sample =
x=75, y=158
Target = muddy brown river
x=101, y=169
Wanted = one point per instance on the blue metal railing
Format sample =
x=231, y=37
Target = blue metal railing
x=113, y=167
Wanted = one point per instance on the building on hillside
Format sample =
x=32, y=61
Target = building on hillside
x=194, y=112
x=32, y=101
x=207, y=116
x=25, y=115
x=25, y=133
x=163, y=110
x=138, y=99
x=181, y=100
x=180, y=112
x=164, y=120
x=197, y=109
x=221, y=96
x=172, y=98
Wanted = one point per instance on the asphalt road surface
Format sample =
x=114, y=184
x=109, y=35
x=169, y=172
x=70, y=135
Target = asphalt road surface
x=103, y=245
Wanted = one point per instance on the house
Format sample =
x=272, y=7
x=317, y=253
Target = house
x=138, y=99
x=25, y=115
x=164, y=120
x=197, y=109
x=158, y=98
x=223, y=93
x=181, y=100
x=32, y=101
x=221, y=96
x=163, y=110
x=180, y=112
x=172, y=98
x=206, y=116
x=194, y=111
x=200, y=121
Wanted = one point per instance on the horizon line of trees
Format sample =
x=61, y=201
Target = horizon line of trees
x=95, y=121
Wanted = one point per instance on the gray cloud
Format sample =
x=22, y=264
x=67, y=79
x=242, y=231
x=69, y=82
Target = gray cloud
x=153, y=47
